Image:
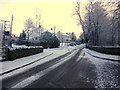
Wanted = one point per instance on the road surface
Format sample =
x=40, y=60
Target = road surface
x=80, y=71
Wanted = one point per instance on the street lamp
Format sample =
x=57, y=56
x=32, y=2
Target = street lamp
x=40, y=32
x=62, y=36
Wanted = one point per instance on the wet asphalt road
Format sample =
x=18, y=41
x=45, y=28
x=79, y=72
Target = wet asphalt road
x=80, y=71
x=85, y=72
x=12, y=80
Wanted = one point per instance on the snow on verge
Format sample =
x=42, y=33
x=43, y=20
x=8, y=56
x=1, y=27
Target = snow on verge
x=98, y=54
x=107, y=76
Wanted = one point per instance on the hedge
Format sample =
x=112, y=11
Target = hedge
x=106, y=49
x=13, y=54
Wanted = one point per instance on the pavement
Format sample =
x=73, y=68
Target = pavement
x=50, y=62
x=47, y=55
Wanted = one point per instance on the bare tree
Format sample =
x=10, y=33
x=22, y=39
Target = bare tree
x=29, y=25
x=114, y=19
x=80, y=20
x=113, y=28
x=95, y=22
x=118, y=19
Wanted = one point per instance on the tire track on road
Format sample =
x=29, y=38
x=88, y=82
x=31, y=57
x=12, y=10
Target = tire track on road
x=10, y=81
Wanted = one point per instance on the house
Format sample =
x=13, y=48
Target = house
x=35, y=34
x=64, y=39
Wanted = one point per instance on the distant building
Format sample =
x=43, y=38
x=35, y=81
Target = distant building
x=14, y=38
x=63, y=38
x=35, y=35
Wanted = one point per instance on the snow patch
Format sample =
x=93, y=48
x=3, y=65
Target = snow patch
x=114, y=57
x=106, y=77
x=14, y=47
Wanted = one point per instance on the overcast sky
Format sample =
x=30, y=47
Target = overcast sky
x=51, y=13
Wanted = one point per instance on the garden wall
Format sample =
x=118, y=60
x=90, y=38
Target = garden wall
x=15, y=53
x=106, y=49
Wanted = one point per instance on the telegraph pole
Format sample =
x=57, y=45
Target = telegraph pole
x=62, y=36
x=10, y=36
x=40, y=32
x=11, y=24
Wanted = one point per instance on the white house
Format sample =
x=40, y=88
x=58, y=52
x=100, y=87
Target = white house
x=63, y=38
x=35, y=34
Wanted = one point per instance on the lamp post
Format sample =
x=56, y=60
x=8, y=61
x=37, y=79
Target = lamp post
x=40, y=32
x=10, y=36
x=62, y=36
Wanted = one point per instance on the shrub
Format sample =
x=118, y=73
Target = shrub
x=48, y=40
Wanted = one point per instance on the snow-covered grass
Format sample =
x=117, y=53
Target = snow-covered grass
x=108, y=46
x=112, y=46
x=98, y=54
x=105, y=70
